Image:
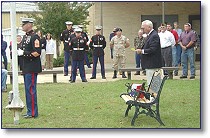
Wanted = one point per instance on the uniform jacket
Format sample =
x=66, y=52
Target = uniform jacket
x=78, y=46
x=31, y=43
x=152, y=52
x=97, y=44
x=65, y=36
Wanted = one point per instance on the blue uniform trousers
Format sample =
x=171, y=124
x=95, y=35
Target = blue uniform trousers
x=95, y=61
x=66, y=62
x=78, y=64
x=87, y=60
x=30, y=81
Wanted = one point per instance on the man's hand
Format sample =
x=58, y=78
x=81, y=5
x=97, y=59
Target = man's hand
x=183, y=47
x=35, y=54
x=20, y=52
x=139, y=51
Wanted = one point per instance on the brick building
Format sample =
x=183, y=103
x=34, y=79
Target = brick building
x=129, y=15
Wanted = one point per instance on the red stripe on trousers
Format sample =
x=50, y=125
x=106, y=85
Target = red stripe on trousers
x=32, y=95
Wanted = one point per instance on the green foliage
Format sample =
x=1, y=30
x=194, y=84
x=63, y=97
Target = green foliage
x=98, y=105
x=53, y=16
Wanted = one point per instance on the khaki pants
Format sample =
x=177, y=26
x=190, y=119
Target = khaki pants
x=49, y=61
x=119, y=60
x=149, y=74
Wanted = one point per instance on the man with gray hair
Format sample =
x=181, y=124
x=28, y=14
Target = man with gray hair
x=151, y=51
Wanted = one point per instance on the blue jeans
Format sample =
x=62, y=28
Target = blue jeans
x=3, y=79
x=138, y=60
x=178, y=53
x=5, y=60
x=66, y=62
x=174, y=59
x=188, y=55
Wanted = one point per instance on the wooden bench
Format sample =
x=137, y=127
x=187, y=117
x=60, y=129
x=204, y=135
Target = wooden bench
x=54, y=72
x=129, y=70
x=145, y=101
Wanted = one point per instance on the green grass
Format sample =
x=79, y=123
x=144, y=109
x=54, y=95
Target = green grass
x=98, y=105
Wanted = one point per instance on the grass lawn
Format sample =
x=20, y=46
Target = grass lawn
x=98, y=105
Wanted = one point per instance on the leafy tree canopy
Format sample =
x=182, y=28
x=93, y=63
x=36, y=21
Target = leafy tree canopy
x=53, y=16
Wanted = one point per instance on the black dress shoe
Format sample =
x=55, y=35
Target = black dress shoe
x=103, y=77
x=84, y=80
x=72, y=81
x=27, y=116
x=183, y=77
x=65, y=75
x=192, y=77
x=93, y=78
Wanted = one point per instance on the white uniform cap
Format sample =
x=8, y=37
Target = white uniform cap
x=80, y=26
x=78, y=30
x=75, y=26
x=98, y=27
x=27, y=20
x=68, y=23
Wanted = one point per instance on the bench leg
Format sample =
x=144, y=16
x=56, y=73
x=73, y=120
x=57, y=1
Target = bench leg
x=127, y=110
x=170, y=75
x=54, y=78
x=135, y=115
x=10, y=79
x=129, y=75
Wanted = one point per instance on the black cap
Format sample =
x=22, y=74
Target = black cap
x=118, y=29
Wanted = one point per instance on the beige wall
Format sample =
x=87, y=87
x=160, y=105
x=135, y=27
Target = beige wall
x=6, y=19
x=127, y=15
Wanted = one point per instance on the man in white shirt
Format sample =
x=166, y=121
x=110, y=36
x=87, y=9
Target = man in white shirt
x=166, y=41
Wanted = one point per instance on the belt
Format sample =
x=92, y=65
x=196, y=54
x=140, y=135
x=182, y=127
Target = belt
x=66, y=41
x=97, y=45
x=78, y=49
x=166, y=47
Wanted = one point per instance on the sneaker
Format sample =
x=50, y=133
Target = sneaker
x=192, y=77
x=103, y=77
x=182, y=77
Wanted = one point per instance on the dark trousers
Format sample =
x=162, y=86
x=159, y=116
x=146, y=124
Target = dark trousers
x=5, y=61
x=20, y=62
x=167, y=57
x=66, y=62
x=95, y=61
x=30, y=81
x=138, y=60
x=87, y=60
x=78, y=64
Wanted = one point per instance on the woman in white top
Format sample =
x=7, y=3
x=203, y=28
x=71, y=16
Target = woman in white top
x=50, y=46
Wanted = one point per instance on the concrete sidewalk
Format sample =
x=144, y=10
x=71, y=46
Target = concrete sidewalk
x=48, y=78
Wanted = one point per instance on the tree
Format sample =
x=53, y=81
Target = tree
x=53, y=16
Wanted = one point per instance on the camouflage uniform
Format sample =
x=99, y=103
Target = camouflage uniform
x=119, y=51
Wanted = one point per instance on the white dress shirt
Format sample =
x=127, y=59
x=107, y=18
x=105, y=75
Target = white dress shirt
x=166, y=39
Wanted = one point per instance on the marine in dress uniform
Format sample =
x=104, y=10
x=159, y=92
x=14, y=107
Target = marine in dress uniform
x=84, y=34
x=31, y=65
x=78, y=47
x=97, y=44
x=65, y=37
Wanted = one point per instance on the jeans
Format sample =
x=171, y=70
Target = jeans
x=178, y=53
x=3, y=79
x=188, y=55
x=138, y=60
x=5, y=61
x=174, y=58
